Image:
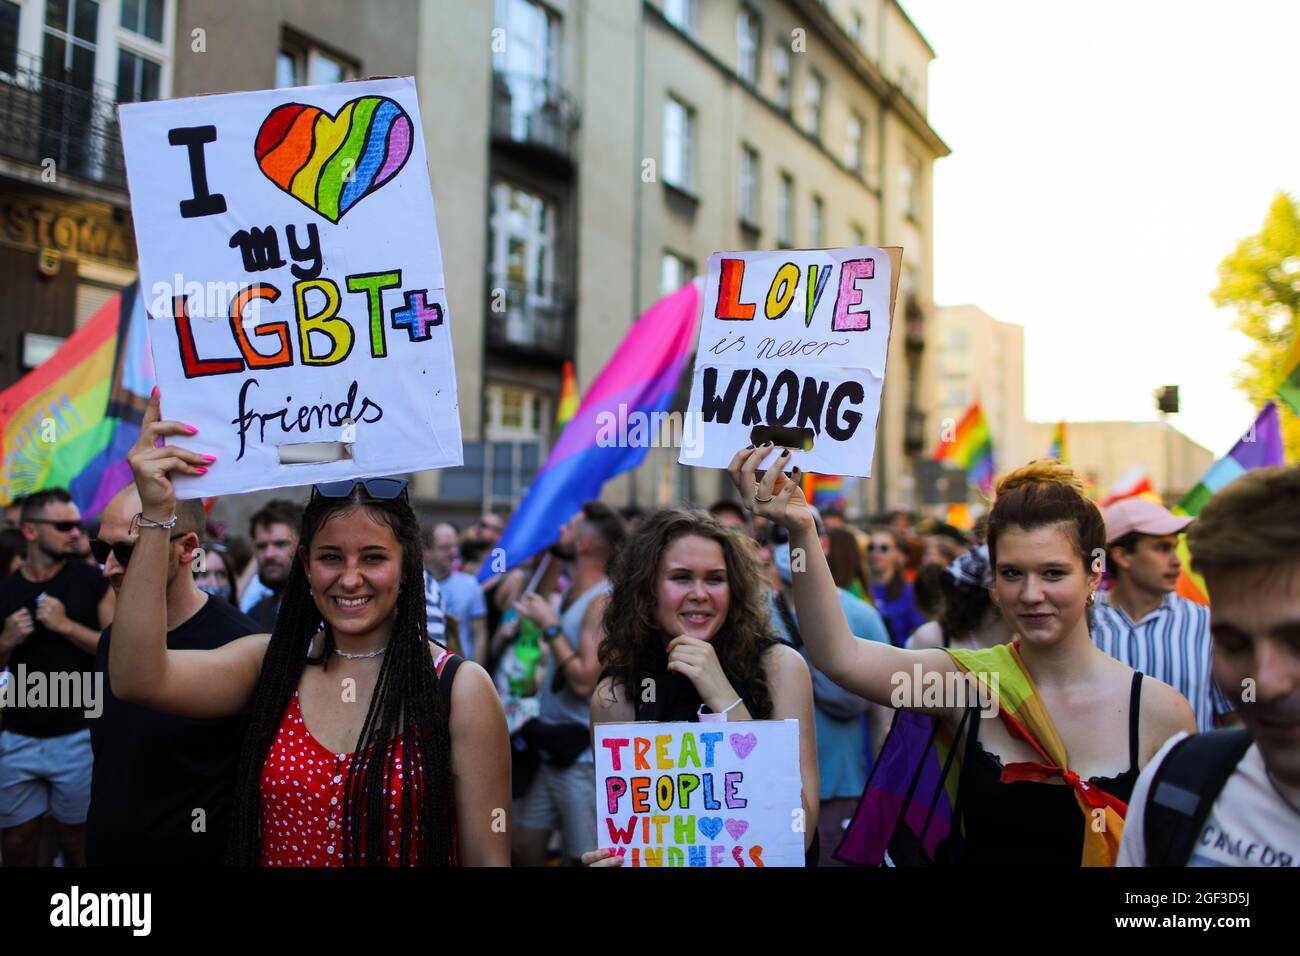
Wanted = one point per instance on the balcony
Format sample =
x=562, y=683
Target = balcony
x=914, y=322
x=534, y=115
x=534, y=320
x=42, y=117
x=913, y=430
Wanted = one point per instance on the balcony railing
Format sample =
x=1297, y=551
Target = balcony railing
x=534, y=112
x=43, y=117
x=534, y=318
x=914, y=317
x=913, y=430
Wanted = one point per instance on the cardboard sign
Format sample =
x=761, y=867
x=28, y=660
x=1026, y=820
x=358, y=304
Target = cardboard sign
x=700, y=794
x=795, y=339
x=290, y=263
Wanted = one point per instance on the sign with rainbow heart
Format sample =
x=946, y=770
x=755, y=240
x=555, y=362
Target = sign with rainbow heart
x=291, y=268
x=700, y=794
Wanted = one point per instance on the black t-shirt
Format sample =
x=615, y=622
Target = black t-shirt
x=80, y=587
x=154, y=770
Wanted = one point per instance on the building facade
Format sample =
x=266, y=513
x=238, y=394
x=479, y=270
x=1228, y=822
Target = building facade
x=981, y=358
x=1103, y=452
x=586, y=156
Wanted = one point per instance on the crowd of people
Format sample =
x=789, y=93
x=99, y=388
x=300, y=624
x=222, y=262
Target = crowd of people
x=346, y=686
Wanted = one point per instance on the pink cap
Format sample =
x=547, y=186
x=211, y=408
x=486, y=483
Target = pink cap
x=1143, y=516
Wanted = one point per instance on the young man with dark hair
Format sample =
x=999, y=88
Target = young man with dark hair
x=53, y=608
x=1142, y=622
x=562, y=795
x=1232, y=797
x=274, y=530
x=163, y=785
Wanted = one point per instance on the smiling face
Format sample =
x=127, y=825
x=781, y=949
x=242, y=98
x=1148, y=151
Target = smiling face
x=692, y=591
x=1040, y=583
x=1255, y=619
x=354, y=568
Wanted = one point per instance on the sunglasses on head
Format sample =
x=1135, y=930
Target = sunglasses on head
x=380, y=489
x=880, y=547
x=102, y=549
x=63, y=527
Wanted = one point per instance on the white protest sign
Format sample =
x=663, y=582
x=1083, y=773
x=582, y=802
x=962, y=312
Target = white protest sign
x=796, y=339
x=700, y=794
x=290, y=264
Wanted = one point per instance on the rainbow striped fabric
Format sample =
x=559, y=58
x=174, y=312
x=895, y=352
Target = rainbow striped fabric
x=1058, y=449
x=918, y=755
x=831, y=490
x=971, y=448
x=1261, y=447
x=70, y=422
x=568, y=406
x=638, y=382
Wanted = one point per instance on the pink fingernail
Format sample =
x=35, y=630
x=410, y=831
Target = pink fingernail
x=209, y=458
x=192, y=430
x=201, y=470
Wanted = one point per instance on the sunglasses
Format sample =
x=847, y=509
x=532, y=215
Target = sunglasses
x=883, y=548
x=102, y=549
x=63, y=527
x=380, y=489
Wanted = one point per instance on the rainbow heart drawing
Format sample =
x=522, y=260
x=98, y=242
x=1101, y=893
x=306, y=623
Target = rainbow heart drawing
x=330, y=163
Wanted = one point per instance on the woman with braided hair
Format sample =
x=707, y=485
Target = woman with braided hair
x=1047, y=782
x=360, y=749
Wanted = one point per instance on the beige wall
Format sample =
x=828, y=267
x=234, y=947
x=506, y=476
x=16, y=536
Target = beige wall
x=982, y=357
x=1102, y=452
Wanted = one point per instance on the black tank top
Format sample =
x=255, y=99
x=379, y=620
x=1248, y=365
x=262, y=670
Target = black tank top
x=1027, y=823
x=675, y=699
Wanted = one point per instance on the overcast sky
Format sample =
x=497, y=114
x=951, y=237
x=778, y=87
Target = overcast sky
x=1105, y=157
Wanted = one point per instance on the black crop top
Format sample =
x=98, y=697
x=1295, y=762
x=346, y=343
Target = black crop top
x=1028, y=823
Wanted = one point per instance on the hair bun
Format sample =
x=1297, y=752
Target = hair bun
x=1041, y=471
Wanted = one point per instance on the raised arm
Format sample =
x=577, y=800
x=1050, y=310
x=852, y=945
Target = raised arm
x=879, y=672
x=142, y=670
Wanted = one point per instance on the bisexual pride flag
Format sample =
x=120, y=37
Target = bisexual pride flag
x=638, y=381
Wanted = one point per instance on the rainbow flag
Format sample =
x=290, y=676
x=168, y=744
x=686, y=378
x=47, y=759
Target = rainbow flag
x=70, y=422
x=1261, y=447
x=596, y=445
x=568, y=400
x=971, y=448
x=831, y=490
x=1288, y=388
x=1057, y=449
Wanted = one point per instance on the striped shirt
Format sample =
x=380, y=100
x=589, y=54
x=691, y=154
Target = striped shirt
x=1171, y=644
x=433, y=608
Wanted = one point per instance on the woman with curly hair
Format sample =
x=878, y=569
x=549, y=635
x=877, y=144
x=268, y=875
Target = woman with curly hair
x=688, y=621
x=1046, y=784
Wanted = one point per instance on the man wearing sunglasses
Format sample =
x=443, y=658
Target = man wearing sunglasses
x=53, y=609
x=158, y=776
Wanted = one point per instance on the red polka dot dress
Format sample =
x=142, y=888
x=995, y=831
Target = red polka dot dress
x=302, y=793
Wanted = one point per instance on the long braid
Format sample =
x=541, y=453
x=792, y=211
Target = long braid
x=405, y=703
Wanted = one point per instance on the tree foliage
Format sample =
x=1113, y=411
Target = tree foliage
x=1260, y=279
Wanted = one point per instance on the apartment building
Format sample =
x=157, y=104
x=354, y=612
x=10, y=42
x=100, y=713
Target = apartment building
x=586, y=156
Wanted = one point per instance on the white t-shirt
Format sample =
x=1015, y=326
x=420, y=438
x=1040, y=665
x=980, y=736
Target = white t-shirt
x=1249, y=825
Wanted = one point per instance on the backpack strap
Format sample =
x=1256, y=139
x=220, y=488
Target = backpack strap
x=1184, y=788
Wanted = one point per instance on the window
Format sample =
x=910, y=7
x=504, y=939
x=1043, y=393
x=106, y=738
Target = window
x=749, y=31
x=781, y=67
x=817, y=223
x=681, y=14
x=813, y=93
x=858, y=234
x=528, y=65
x=748, y=186
x=910, y=181
x=68, y=48
x=9, y=12
x=674, y=272
x=679, y=144
x=853, y=144
x=307, y=66
x=516, y=412
x=522, y=240
x=144, y=17
x=138, y=77
x=785, y=211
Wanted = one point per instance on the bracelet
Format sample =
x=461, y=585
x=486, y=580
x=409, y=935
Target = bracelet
x=140, y=521
x=719, y=716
